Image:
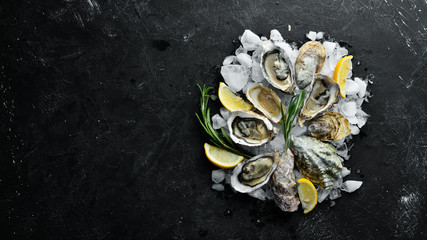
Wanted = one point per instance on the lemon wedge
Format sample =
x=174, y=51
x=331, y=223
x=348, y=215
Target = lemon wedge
x=341, y=72
x=231, y=100
x=307, y=194
x=221, y=157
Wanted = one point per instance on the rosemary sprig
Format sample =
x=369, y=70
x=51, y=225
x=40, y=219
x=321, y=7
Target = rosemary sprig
x=221, y=140
x=288, y=119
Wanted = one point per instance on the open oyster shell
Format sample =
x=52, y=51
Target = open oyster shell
x=266, y=100
x=254, y=173
x=283, y=185
x=316, y=160
x=250, y=129
x=322, y=95
x=310, y=60
x=276, y=67
x=332, y=126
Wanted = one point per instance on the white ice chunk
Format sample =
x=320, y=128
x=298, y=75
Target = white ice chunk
x=311, y=35
x=256, y=55
x=259, y=194
x=362, y=117
x=297, y=174
x=352, y=87
x=240, y=50
x=268, y=193
x=224, y=113
x=345, y=172
x=322, y=194
x=275, y=35
x=250, y=40
x=341, y=52
x=218, y=122
x=354, y=130
x=244, y=59
x=256, y=74
x=351, y=186
x=218, y=175
x=248, y=86
x=329, y=47
x=337, y=183
x=362, y=87
x=338, y=143
x=297, y=130
x=228, y=60
x=228, y=178
x=320, y=35
x=348, y=109
x=235, y=76
x=218, y=186
x=343, y=151
x=352, y=119
x=334, y=194
x=264, y=38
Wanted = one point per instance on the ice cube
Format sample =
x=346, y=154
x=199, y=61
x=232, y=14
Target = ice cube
x=256, y=55
x=235, y=76
x=337, y=183
x=334, y=194
x=341, y=52
x=218, y=122
x=256, y=74
x=352, y=119
x=228, y=178
x=275, y=35
x=224, y=113
x=332, y=203
x=329, y=47
x=244, y=59
x=345, y=172
x=343, y=151
x=322, y=194
x=248, y=86
x=268, y=193
x=320, y=35
x=354, y=129
x=348, y=109
x=229, y=60
x=218, y=175
x=297, y=130
x=338, y=143
x=362, y=87
x=218, y=187
x=362, y=117
x=250, y=40
x=311, y=35
x=240, y=50
x=351, y=186
x=352, y=87
x=259, y=194
x=297, y=174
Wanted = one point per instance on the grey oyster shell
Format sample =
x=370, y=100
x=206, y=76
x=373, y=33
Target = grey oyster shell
x=310, y=60
x=283, y=185
x=316, y=160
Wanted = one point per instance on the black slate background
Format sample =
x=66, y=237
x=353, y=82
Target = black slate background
x=99, y=138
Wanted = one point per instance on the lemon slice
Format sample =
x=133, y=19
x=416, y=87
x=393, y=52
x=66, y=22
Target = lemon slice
x=341, y=72
x=222, y=158
x=231, y=100
x=307, y=194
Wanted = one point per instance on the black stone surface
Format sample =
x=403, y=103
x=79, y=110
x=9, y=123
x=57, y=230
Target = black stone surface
x=99, y=138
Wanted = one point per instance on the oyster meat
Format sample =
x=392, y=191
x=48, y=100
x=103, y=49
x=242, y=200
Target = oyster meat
x=323, y=95
x=254, y=173
x=266, y=100
x=250, y=129
x=276, y=67
x=332, y=126
x=283, y=185
x=310, y=60
x=316, y=160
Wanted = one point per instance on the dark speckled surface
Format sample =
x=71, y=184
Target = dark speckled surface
x=99, y=138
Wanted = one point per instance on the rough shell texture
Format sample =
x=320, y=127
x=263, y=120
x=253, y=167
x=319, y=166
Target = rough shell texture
x=283, y=185
x=235, y=179
x=266, y=101
x=310, y=60
x=316, y=160
x=332, y=126
x=271, y=131
x=323, y=95
x=271, y=54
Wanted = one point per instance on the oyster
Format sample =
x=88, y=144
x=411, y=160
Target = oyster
x=254, y=173
x=276, y=67
x=266, y=101
x=310, y=60
x=323, y=94
x=316, y=160
x=332, y=126
x=250, y=129
x=283, y=184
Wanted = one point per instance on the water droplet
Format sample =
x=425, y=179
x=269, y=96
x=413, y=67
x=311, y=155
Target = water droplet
x=227, y=212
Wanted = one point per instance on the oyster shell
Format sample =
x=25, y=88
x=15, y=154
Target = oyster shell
x=316, y=160
x=323, y=95
x=310, y=60
x=276, y=67
x=283, y=185
x=254, y=173
x=266, y=100
x=332, y=126
x=250, y=129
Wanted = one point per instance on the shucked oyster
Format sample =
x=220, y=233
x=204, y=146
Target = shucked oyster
x=332, y=126
x=250, y=129
x=254, y=173
x=283, y=184
x=310, y=60
x=266, y=101
x=276, y=67
x=316, y=160
x=323, y=94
